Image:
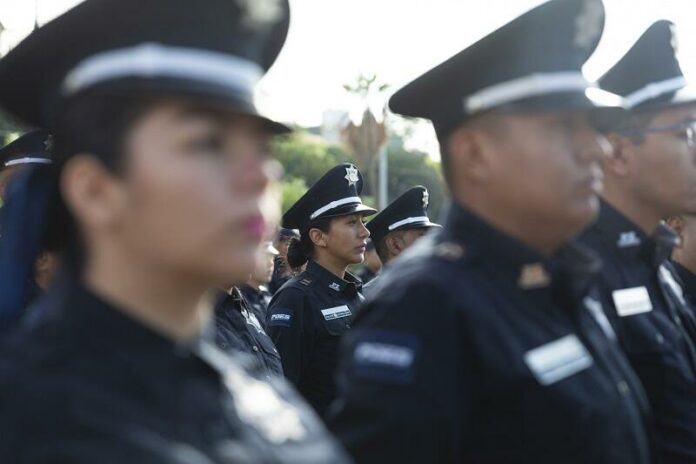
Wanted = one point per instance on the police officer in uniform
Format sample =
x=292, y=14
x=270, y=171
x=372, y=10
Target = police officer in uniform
x=684, y=254
x=238, y=329
x=159, y=154
x=483, y=344
x=308, y=316
x=255, y=291
x=398, y=226
x=281, y=270
x=371, y=266
x=33, y=147
x=650, y=176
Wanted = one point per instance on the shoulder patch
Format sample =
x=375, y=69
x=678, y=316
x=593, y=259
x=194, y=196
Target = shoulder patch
x=385, y=355
x=449, y=251
x=281, y=317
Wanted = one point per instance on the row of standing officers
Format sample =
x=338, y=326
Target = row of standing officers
x=545, y=320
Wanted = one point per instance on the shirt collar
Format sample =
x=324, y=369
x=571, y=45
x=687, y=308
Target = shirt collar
x=688, y=280
x=104, y=322
x=329, y=280
x=570, y=271
x=652, y=249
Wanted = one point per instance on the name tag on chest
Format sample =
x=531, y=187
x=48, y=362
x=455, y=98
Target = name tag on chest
x=630, y=301
x=558, y=360
x=336, y=312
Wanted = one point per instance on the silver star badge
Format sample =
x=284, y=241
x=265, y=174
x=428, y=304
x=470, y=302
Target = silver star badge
x=588, y=24
x=352, y=175
x=48, y=143
x=426, y=199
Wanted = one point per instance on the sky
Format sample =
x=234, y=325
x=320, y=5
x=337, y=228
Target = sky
x=332, y=41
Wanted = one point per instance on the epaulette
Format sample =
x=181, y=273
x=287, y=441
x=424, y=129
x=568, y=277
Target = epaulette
x=449, y=251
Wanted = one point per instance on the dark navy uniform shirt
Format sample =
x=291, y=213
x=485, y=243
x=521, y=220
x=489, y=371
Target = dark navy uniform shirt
x=688, y=283
x=238, y=329
x=86, y=384
x=306, y=319
x=473, y=348
x=655, y=328
x=257, y=301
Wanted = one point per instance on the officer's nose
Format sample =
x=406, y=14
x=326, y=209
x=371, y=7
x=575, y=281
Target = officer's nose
x=364, y=231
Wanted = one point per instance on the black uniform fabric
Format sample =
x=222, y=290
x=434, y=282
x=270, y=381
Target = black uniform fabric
x=306, y=319
x=238, y=329
x=475, y=349
x=86, y=384
x=687, y=279
x=366, y=275
x=657, y=332
x=257, y=301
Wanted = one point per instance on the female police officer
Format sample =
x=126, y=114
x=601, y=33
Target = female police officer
x=160, y=176
x=308, y=315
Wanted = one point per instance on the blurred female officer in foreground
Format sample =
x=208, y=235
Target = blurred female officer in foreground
x=157, y=194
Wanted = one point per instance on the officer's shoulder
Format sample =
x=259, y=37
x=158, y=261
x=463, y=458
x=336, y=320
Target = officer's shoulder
x=294, y=290
x=433, y=262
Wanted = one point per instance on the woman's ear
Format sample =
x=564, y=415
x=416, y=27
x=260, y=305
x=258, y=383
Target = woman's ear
x=317, y=237
x=91, y=192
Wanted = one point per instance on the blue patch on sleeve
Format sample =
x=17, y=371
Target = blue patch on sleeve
x=383, y=355
x=281, y=317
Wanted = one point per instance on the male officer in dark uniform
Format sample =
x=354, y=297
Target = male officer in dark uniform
x=684, y=254
x=238, y=329
x=281, y=271
x=398, y=226
x=481, y=344
x=650, y=176
x=371, y=266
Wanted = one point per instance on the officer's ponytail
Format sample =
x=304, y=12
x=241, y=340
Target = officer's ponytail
x=301, y=250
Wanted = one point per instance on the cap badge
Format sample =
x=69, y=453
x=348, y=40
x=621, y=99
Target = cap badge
x=48, y=143
x=588, y=24
x=352, y=175
x=262, y=12
x=426, y=199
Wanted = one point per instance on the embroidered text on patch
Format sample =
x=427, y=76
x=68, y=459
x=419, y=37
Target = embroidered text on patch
x=336, y=312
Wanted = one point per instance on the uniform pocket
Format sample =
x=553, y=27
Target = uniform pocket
x=337, y=320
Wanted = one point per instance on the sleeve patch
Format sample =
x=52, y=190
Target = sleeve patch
x=386, y=356
x=281, y=317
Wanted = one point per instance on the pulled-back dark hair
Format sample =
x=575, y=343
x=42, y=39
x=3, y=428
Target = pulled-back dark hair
x=300, y=251
x=96, y=125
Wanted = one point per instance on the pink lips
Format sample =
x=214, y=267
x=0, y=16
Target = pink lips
x=256, y=226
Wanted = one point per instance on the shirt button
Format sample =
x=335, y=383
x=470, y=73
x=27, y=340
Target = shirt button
x=677, y=320
x=660, y=339
x=623, y=388
x=255, y=348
